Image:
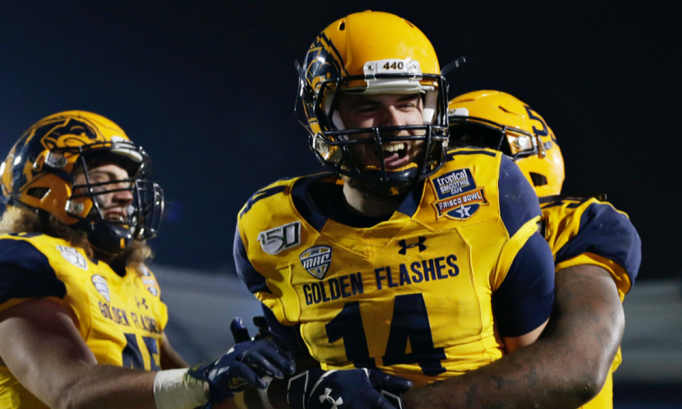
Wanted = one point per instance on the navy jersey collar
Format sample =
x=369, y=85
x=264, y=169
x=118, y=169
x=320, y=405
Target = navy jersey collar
x=307, y=209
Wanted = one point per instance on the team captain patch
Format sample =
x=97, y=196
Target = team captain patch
x=458, y=196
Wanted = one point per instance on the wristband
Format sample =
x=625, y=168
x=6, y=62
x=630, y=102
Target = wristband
x=174, y=389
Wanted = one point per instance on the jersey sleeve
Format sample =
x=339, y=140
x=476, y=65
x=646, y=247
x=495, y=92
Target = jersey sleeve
x=251, y=278
x=256, y=282
x=605, y=238
x=518, y=202
x=25, y=272
x=525, y=298
x=287, y=337
x=523, y=280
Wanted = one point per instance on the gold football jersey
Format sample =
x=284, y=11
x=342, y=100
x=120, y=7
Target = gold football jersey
x=121, y=319
x=411, y=295
x=588, y=231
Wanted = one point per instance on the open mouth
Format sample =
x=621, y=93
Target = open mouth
x=396, y=154
x=115, y=217
x=398, y=150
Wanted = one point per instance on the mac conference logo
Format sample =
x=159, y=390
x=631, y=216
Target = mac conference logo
x=316, y=260
x=102, y=286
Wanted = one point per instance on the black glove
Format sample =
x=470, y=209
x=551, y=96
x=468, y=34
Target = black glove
x=241, y=333
x=346, y=389
x=247, y=363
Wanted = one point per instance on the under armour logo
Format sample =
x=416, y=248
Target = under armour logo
x=335, y=403
x=406, y=246
x=141, y=304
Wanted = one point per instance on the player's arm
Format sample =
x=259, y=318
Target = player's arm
x=170, y=359
x=523, y=282
x=523, y=302
x=511, y=344
x=42, y=348
x=568, y=365
x=565, y=368
x=523, y=289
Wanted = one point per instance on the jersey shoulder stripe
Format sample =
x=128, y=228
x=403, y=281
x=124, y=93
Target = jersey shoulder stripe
x=579, y=227
x=26, y=271
x=253, y=280
x=518, y=201
x=469, y=151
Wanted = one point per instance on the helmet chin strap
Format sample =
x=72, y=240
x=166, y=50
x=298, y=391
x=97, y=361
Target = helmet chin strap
x=108, y=238
x=375, y=189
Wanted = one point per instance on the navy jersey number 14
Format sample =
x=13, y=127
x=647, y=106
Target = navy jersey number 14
x=410, y=321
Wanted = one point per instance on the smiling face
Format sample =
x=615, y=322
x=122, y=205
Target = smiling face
x=107, y=176
x=378, y=110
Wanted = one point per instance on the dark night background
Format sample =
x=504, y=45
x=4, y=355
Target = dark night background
x=207, y=87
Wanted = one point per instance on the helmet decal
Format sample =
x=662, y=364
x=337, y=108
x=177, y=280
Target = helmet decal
x=323, y=61
x=499, y=121
x=52, y=132
x=63, y=131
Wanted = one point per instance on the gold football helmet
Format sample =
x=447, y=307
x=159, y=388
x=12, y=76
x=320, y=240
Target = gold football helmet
x=373, y=53
x=497, y=120
x=40, y=170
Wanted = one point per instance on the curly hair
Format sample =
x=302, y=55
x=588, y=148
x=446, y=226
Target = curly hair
x=19, y=219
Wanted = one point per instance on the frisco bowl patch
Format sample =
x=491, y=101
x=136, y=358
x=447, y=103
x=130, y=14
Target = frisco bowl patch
x=458, y=196
x=316, y=260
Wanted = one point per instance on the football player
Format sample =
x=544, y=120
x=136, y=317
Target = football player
x=81, y=318
x=597, y=255
x=407, y=258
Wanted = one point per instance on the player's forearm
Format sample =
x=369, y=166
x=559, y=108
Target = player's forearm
x=517, y=381
x=564, y=369
x=106, y=387
x=169, y=358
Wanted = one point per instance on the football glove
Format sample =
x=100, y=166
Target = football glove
x=247, y=363
x=346, y=389
x=240, y=333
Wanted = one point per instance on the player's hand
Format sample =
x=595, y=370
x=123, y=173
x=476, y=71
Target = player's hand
x=241, y=333
x=346, y=389
x=247, y=363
